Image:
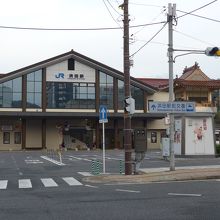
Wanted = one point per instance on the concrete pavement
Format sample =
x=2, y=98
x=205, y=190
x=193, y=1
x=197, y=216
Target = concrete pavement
x=162, y=174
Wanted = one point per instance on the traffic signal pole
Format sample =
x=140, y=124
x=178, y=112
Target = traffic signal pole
x=170, y=16
x=127, y=118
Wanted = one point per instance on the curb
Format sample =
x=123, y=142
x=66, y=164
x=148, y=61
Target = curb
x=165, y=176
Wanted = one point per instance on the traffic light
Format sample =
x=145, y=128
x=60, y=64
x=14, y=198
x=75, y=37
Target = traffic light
x=212, y=51
x=129, y=105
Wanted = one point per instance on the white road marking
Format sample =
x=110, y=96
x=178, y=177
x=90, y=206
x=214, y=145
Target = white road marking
x=125, y=190
x=111, y=158
x=72, y=159
x=49, y=182
x=184, y=194
x=3, y=184
x=71, y=181
x=87, y=159
x=77, y=158
x=24, y=183
x=53, y=161
x=85, y=173
x=92, y=186
x=33, y=161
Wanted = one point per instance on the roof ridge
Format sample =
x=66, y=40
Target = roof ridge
x=194, y=67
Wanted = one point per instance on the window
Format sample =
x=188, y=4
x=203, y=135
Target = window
x=138, y=95
x=71, y=64
x=34, y=89
x=17, y=137
x=121, y=94
x=71, y=95
x=11, y=93
x=6, y=137
x=148, y=103
x=198, y=96
x=106, y=90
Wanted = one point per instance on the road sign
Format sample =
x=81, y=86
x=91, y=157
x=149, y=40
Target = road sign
x=103, y=119
x=171, y=107
x=103, y=114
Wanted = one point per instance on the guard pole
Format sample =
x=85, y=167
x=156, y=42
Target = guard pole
x=103, y=146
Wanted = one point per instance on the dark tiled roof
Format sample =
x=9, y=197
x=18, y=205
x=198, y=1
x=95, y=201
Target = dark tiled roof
x=156, y=83
x=212, y=84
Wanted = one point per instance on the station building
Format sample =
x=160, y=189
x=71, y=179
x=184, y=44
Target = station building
x=57, y=101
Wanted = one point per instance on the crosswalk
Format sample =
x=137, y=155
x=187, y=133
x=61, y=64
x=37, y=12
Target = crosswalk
x=3, y=184
x=43, y=182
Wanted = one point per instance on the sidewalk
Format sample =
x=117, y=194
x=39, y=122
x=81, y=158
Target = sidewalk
x=159, y=175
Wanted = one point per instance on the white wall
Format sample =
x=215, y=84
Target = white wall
x=53, y=71
x=159, y=96
x=199, y=139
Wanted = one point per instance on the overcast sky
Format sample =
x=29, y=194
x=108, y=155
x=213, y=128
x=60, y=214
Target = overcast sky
x=20, y=48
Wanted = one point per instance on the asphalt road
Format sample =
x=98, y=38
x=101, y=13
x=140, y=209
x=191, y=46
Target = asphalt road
x=32, y=186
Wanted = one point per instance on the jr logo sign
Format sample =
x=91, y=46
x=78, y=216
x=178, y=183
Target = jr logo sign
x=59, y=75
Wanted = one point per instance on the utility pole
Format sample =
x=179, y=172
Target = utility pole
x=127, y=117
x=171, y=14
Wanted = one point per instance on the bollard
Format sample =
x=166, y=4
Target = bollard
x=93, y=167
x=97, y=167
x=120, y=167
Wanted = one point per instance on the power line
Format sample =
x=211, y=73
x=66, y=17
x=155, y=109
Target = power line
x=113, y=8
x=211, y=19
x=149, y=39
x=149, y=5
x=152, y=42
x=198, y=9
x=111, y=13
x=151, y=21
x=76, y=29
x=165, y=44
x=187, y=35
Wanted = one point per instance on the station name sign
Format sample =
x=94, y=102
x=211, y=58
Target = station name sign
x=60, y=73
x=171, y=107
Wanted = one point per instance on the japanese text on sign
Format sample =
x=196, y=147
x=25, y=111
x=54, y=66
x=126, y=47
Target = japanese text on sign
x=174, y=107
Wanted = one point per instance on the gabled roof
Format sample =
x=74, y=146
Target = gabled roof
x=80, y=58
x=158, y=84
x=211, y=84
x=194, y=77
x=194, y=72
